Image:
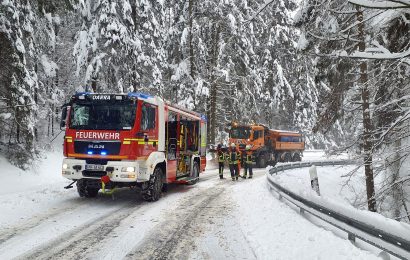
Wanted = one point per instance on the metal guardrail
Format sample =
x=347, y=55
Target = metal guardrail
x=296, y=165
x=390, y=243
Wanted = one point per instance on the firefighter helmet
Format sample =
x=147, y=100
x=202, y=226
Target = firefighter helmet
x=248, y=147
x=233, y=145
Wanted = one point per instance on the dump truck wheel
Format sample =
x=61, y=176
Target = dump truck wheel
x=296, y=157
x=288, y=157
x=261, y=161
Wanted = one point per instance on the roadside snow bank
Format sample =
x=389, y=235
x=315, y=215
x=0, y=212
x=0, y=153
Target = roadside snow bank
x=276, y=231
x=337, y=196
x=27, y=193
x=45, y=172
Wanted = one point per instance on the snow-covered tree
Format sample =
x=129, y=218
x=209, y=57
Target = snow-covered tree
x=360, y=48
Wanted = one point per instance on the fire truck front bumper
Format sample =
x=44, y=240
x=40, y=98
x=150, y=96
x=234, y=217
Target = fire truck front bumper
x=118, y=171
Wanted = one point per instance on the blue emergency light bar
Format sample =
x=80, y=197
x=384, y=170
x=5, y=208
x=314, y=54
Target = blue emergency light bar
x=139, y=95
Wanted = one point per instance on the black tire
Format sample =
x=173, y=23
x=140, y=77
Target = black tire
x=165, y=187
x=296, y=157
x=272, y=163
x=154, y=190
x=194, y=174
x=288, y=157
x=281, y=157
x=277, y=158
x=261, y=163
x=84, y=191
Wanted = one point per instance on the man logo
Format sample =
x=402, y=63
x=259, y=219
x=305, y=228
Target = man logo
x=96, y=146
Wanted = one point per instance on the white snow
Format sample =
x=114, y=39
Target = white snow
x=380, y=4
x=20, y=46
x=302, y=42
x=254, y=224
x=340, y=196
x=50, y=67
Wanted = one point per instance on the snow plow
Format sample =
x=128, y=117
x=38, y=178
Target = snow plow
x=268, y=146
x=130, y=140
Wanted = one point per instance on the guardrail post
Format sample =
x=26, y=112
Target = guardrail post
x=314, y=180
x=351, y=237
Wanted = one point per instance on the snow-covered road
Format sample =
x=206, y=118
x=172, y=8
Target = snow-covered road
x=215, y=219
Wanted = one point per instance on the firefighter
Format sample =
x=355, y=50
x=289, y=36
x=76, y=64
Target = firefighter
x=233, y=159
x=248, y=162
x=221, y=161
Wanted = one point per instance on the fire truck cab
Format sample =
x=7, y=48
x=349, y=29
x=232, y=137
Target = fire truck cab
x=131, y=140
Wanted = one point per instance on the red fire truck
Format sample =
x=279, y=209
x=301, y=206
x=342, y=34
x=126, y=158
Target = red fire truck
x=131, y=140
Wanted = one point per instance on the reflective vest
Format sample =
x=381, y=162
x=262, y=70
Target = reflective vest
x=233, y=158
x=250, y=159
x=221, y=157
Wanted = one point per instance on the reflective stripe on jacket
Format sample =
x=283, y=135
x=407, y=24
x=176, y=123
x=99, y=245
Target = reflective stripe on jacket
x=221, y=157
x=250, y=159
x=233, y=158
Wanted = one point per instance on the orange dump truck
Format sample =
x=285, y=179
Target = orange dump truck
x=267, y=145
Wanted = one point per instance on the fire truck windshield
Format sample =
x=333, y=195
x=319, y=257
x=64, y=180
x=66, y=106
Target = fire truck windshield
x=240, y=133
x=102, y=116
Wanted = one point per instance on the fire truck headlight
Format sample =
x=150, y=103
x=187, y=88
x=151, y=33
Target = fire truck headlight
x=65, y=166
x=128, y=169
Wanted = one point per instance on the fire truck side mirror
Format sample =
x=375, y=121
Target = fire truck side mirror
x=63, y=118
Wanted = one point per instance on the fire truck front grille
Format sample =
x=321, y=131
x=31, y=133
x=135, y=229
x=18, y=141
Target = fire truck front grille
x=97, y=147
x=94, y=173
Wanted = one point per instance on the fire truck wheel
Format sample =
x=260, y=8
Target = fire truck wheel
x=165, y=187
x=195, y=174
x=153, y=193
x=85, y=191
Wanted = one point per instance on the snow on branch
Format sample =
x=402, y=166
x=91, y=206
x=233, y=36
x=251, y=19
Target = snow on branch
x=261, y=8
x=373, y=4
x=373, y=55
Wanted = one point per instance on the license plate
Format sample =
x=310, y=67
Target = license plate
x=94, y=167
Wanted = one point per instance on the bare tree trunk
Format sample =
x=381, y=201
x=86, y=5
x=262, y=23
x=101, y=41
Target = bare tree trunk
x=191, y=49
x=94, y=84
x=18, y=119
x=49, y=122
x=367, y=126
x=213, y=92
x=394, y=166
x=36, y=102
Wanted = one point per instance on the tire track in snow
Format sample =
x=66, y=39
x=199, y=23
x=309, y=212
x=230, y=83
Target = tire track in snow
x=34, y=221
x=173, y=238
x=76, y=243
